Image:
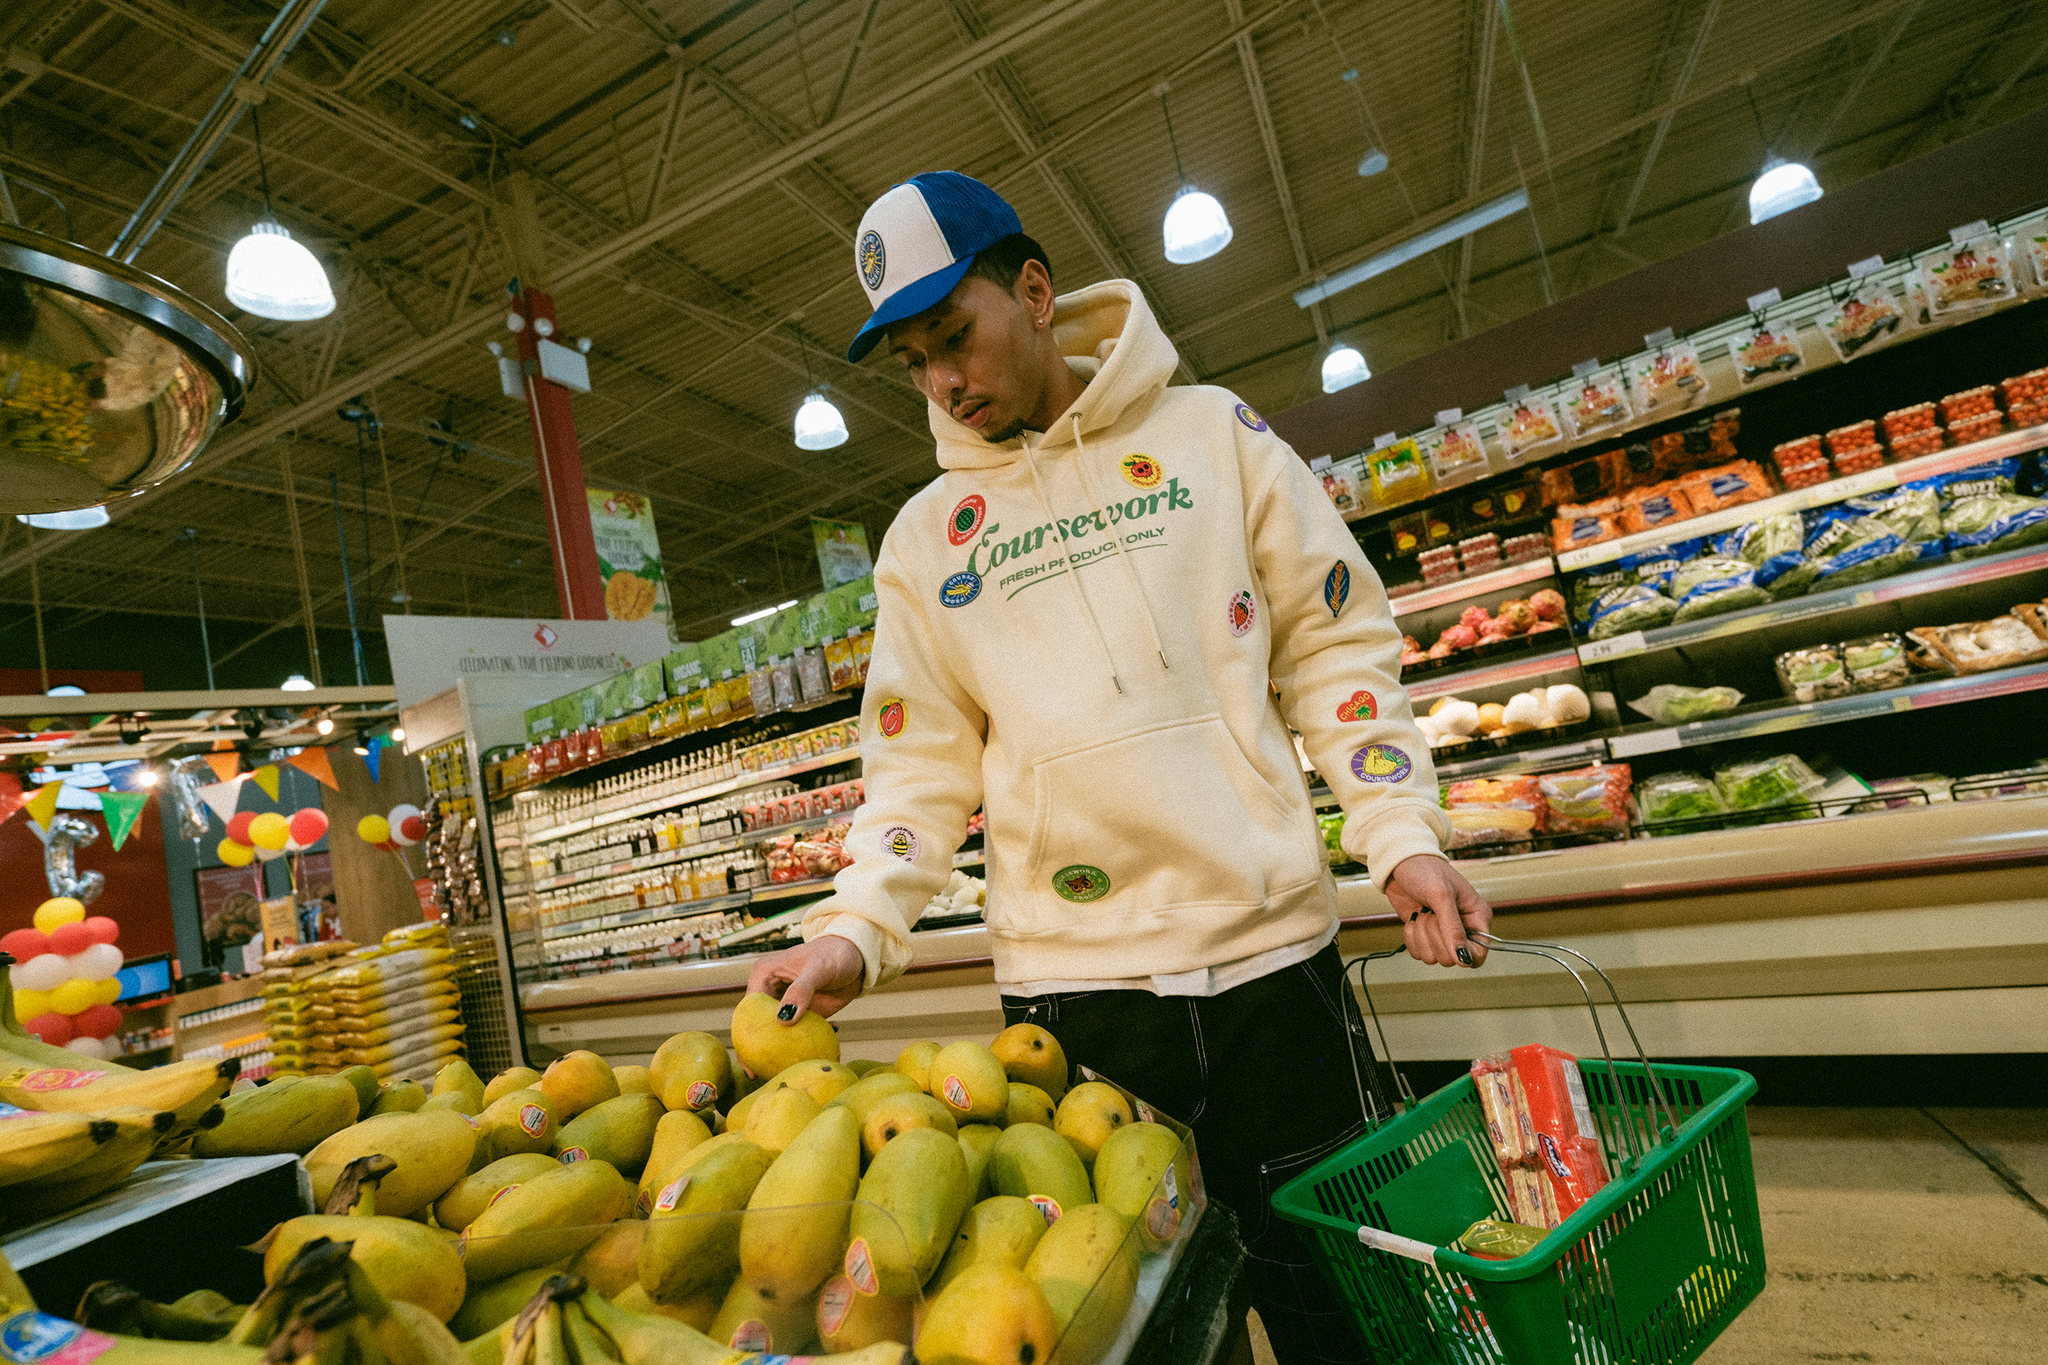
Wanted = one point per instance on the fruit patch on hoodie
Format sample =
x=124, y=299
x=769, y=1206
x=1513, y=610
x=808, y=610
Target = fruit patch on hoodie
x=1081, y=883
x=890, y=719
x=1250, y=418
x=967, y=519
x=1242, y=612
x=1337, y=587
x=1380, y=763
x=1141, y=471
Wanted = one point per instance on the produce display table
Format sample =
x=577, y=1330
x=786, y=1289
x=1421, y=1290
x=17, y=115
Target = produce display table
x=1197, y=1321
x=172, y=1227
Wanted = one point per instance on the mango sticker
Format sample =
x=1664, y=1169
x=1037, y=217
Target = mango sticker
x=533, y=1119
x=700, y=1094
x=956, y=1095
x=1046, y=1205
x=1362, y=706
x=572, y=1155
x=860, y=1268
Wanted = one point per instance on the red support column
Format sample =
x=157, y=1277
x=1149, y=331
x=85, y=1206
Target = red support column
x=561, y=469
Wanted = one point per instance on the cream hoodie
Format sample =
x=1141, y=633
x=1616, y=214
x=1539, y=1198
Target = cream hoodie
x=1102, y=634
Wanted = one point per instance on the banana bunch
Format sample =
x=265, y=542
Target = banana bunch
x=50, y=1162
x=202, y=1315
x=33, y=1335
x=324, y=1309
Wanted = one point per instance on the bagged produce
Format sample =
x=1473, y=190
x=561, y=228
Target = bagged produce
x=1647, y=508
x=1654, y=568
x=1713, y=584
x=1634, y=607
x=1980, y=646
x=1494, y=810
x=1588, y=587
x=1776, y=547
x=1587, y=800
x=1876, y=662
x=1728, y=485
x=1669, y=797
x=1847, y=547
x=1912, y=512
x=1671, y=704
x=1765, y=783
x=1994, y=522
x=1813, y=674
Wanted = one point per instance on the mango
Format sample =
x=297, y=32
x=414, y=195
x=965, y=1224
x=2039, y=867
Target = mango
x=468, y=1197
x=748, y=1322
x=432, y=1151
x=915, y=1062
x=990, y=1314
x=736, y=1117
x=1087, y=1116
x=899, y=1114
x=577, y=1080
x=849, y=1320
x=633, y=1080
x=691, y=1071
x=683, y=1253
x=491, y=1305
x=1032, y=1055
x=911, y=1202
x=1028, y=1104
x=364, y=1079
x=778, y=1117
x=404, y=1259
x=1086, y=1265
x=611, y=1262
x=695, y=1310
x=277, y=1119
x=823, y=1080
x=458, y=1077
x=1035, y=1163
x=870, y=1090
x=977, y=1141
x=518, y=1121
x=510, y=1079
x=864, y=1067
x=619, y=1130
x=398, y=1097
x=767, y=1046
x=967, y=1078
x=1128, y=1171
x=795, y=1228
x=551, y=1216
x=998, y=1231
x=679, y=1132
x=455, y=1101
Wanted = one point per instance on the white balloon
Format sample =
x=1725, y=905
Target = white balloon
x=98, y=962
x=43, y=972
x=293, y=846
x=98, y=1048
x=266, y=854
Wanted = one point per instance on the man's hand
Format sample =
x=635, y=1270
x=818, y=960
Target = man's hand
x=1438, y=908
x=825, y=975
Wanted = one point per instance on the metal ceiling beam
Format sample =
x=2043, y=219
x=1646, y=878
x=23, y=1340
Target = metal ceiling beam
x=1475, y=152
x=229, y=698
x=1879, y=55
x=1692, y=61
x=1262, y=113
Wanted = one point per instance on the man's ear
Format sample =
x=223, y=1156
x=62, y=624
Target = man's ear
x=1033, y=289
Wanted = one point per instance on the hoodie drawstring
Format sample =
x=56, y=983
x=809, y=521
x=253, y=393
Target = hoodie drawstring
x=1117, y=543
x=1073, y=574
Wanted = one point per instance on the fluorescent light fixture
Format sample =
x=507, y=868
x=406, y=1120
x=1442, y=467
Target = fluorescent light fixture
x=1464, y=225
x=1784, y=186
x=764, y=613
x=1343, y=367
x=84, y=519
x=297, y=682
x=818, y=424
x=1196, y=227
x=275, y=277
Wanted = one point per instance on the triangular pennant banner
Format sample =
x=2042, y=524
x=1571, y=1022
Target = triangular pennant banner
x=266, y=778
x=315, y=764
x=221, y=798
x=11, y=799
x=373, y=760
x=42, y=807
x=122, y=810
x=224, y=765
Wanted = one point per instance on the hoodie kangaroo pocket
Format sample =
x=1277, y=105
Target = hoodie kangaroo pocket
x=1170, y=815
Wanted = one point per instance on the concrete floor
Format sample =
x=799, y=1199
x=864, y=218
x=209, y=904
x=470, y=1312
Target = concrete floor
x=1894, y=1236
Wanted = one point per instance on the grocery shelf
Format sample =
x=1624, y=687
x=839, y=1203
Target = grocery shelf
x=1523, y=760
x=684, y=853
x=1776, y=720
x=764, y=928
x=1941, y=578
x=973, y=857
x=1818, y=495
x=652, y=914
x=1500, y=580
x=1509, y=670
x=690, y=796
x=785, y=890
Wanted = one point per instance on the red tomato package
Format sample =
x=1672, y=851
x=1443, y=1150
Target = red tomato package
x=1568, y=1143
x=1494, y=810
x=1587, y=799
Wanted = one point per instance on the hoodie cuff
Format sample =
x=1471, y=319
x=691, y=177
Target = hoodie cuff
x=863, y=934
x=1389, y=841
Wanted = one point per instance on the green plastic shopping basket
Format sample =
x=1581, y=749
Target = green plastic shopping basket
x=1651, y=1269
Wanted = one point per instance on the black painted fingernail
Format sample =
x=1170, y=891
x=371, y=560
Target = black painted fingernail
x=788, y=1012
x=1464, y=955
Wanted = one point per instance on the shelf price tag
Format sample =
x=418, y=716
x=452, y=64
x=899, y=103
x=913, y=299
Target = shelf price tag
x=1383, y=440
x=1584, y=368
x=1869, y=265
x=1613, y=647
x=1759, y=302
x=1658, y=339
x=1649, y=742
x=1450, y=415
x=1958, y=235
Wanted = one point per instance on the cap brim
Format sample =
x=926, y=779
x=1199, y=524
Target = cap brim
x=907, y=302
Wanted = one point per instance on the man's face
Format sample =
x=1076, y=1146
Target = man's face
x=974, y=353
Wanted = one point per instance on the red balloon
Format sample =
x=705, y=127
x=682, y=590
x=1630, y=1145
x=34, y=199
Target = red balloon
x=308, y=825
x=54, y=1029
x=102, y=929
x=97, y=1021
x=24, y=944
x=71, y=938
x=238, y=828
x=413, y=827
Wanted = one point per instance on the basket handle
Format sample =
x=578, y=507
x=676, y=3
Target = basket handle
x=1398, y=1245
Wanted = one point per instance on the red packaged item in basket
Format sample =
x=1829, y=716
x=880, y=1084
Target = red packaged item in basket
x=1981, y=427
x=1856, y=461
x=1854, y=436
x=1969, y=403
x=1906, y=421
x=1567, y=1141
x=1919, y=443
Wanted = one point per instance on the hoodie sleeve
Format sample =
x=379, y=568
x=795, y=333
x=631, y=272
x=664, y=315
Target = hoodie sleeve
x=920, y=748
x=1336, y=661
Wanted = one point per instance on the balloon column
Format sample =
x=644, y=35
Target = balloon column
x=270, y=835
x=63, y=977
x=402, y=828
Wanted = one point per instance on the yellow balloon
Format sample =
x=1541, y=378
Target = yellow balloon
x=58, y=911
x=371, y=829
x=269, y=830
x=109, y=989
x=74, y=996
x=234, y=854
x=29, y=1004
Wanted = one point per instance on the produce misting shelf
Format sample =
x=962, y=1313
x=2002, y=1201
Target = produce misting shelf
x=1493, y=675
x=690, y=796
x=1776, y=720
x=1498, y=580
x=1920, y=582
x=1818, y=495
x=648, y=915
x=684, y=853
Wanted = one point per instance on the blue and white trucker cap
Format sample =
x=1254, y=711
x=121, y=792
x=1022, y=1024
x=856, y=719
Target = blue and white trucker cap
x=917, y=241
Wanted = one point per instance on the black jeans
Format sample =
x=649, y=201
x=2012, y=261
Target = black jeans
x=1264, y=1075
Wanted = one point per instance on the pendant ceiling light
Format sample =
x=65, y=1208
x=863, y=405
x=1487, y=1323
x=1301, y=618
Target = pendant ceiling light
x=1196, y=226
x=1343, y=367
x=271, y=275
x=1374, y=161
x=84, y=519
x=1784, y=185
x=819, y=425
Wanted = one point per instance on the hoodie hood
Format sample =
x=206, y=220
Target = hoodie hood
x=1111, y=340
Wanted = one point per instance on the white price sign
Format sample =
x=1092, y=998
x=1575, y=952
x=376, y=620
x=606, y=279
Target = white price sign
x=1649, y=742
x=1613, y=647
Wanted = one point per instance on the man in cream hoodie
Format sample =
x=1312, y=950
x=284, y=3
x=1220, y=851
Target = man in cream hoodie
x=1100, y=624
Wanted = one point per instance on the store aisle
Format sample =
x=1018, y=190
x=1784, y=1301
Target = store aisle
x=1898, y=1235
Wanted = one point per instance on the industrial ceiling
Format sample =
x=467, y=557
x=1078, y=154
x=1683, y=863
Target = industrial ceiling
x=699, y=166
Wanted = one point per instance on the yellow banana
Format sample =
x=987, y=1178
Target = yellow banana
x=136, y=1135
x=187, y=1089
x=586, y=1343
x=33, y=1146
x=640, y=1339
